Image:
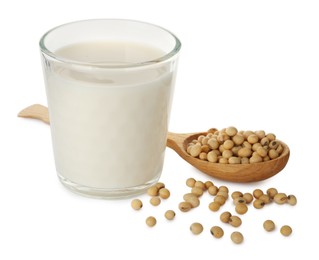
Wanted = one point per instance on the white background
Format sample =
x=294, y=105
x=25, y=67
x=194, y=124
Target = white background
x=252, y=64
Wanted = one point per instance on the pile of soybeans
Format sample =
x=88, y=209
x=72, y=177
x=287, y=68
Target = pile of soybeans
x=235, y=147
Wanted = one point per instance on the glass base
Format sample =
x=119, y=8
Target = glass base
x=99, y=193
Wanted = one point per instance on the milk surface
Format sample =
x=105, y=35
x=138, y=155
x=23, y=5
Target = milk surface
x=109, y=125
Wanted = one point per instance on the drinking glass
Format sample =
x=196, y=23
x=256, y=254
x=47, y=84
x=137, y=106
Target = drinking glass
x=109, y=86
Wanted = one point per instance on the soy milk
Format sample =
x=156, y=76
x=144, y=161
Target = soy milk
x=96, y=113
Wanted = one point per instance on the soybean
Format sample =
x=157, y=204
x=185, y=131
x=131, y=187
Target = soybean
x=236, y=194
x=225, y=217
x=136, y=204
x=292, y=200
x=228, y=144
x=153, y=190
x=212, y=157
x=164, y=193
x=193, y=200
x=248, y=197
x=238, y=139
x=269, y=225
x=212, y=190
x=280, y=198
x=217, y=231
x=234, y=160
x=200, y=185
x=223, y=188
x=197, y=191
x=235, y=221
x=170, y=214
x=214, y=206
x=258, y=204
x=237, y=237
x=231, y=131
x=271, y=192
x=286, y=230
x=155, y=201
x=257, y=193
x=196, y=228
x=260, y=133
x=208, y=184
x=151, y=221
x=160, y=185
x=265, y=198
x=190, y=182
x=195, y=150
x=185, y=206
x=223, y=194
x=241, y=208
x=239, y=200
x=252, y=139
x=220, y=199
x=244, y=152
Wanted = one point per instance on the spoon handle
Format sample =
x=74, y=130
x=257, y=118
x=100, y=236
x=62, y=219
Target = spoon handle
x=36, y=111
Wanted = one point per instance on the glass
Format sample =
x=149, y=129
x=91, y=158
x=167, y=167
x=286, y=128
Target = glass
x=109, y=86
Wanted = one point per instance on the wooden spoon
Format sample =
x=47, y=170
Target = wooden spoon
x=229, y=172
x=178, y=142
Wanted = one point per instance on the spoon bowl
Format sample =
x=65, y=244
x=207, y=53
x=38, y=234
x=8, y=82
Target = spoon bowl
x=228, y=172
x=178, y=142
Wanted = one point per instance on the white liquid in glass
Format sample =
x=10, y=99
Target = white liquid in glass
x=109, y=125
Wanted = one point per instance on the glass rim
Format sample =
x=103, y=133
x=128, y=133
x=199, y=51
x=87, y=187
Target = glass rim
x=175, y=50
